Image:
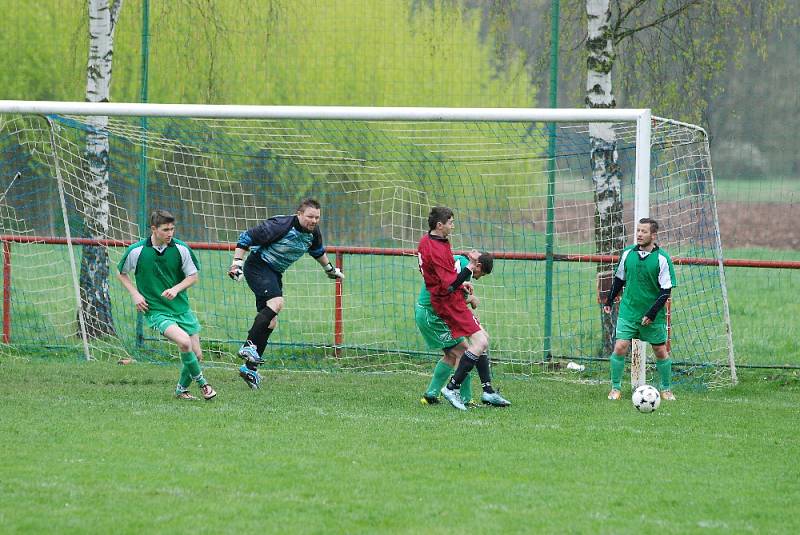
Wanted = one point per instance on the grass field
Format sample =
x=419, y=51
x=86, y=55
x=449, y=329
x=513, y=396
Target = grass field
x=100, y=448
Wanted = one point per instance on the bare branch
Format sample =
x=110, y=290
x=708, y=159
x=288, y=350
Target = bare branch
x=619, y=36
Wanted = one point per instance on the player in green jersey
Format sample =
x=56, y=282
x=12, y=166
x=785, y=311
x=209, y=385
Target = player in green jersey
x=438, y=336
x=648, y=276
x=164, y=267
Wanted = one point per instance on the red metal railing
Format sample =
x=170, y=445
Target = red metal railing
x=340, y=252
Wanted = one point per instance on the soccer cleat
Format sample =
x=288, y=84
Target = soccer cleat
x=208, y=392
x=428, y=399
x=185, y=395
x=454, y=397
x=250, y=377
x=494, y=399
x=667, y=395
x=614, y=394
x=249, y=353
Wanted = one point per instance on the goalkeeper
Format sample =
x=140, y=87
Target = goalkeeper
x=274, y=245
x=438, y=336
x=646, y=272
x=164, y=268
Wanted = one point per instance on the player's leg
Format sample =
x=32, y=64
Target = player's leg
x=437, y=336
x=267, y=286
x=190, y=366
x=656, y=335
x=625, y=332
x=205, y=388
x=489, y=396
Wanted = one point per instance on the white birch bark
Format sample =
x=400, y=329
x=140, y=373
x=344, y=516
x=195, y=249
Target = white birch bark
x=103, y=16
x=606, y=176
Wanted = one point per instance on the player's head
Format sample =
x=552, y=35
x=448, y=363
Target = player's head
x=483, y=266
x=440, y=220
x=646, y=231
x=162, y=225
x=308, y=213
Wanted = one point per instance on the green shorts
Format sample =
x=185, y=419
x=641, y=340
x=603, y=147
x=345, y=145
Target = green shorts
x=435, y=332
x=161, y=321
x=655, y=333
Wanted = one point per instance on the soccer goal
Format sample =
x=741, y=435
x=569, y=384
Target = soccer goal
x=553, y=194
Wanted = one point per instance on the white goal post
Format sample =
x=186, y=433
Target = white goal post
x=640, y=120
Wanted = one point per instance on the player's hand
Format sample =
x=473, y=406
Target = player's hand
x=606, y=309
x=140, y=303
x=473, y=301
x=169, y=294
x=468, y=287
x=235, y=271
x=333, y=272
x=473, y=255
x=646, y=321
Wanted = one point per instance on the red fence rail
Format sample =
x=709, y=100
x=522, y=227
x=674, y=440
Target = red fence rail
x=340, y=252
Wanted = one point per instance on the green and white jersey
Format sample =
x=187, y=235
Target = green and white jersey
x=159, y=268
x=645, y=274
x=424, y=298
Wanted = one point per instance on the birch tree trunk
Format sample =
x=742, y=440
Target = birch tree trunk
x=94, y=274
x=609, y=231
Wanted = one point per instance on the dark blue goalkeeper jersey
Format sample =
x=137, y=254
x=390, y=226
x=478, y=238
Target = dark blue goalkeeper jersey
x=280, y=241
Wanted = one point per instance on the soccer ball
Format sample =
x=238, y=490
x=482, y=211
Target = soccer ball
x=646, y=398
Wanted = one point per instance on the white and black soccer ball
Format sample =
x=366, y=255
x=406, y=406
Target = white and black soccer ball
x=646, y=398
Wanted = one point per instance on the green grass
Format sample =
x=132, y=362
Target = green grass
x=94, y=447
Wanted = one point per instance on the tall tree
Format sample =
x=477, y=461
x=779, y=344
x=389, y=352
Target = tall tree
x=605, y=29
x=95, y=299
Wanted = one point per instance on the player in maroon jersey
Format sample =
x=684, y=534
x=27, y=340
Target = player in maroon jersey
x=445, y=286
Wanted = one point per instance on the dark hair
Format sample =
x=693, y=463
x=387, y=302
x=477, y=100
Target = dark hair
x=160, y=217
x=439, y=214
x=308, y=203
x=653, y=224
x=486, y=261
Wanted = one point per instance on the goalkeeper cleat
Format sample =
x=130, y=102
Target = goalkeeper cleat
x=208, y=392
x=249, y=353
x=667, y=395
x=250, y=377
x=185, y=395
x=454, y=397
x=428, y=399
x=614, y=395
x=494, y=399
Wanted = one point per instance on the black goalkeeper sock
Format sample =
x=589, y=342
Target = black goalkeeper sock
x=465, y=366
x=260, y=331
x=485, y=373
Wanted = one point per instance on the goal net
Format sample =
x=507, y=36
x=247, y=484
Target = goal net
x=553, y=209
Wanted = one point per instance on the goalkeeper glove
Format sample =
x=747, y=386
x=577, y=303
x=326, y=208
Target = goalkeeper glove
x=333, y=272
x=235, y=272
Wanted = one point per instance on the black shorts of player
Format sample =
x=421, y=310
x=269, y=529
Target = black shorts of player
x=265, y=282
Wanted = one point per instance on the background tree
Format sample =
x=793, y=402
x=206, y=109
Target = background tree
x=95, y=298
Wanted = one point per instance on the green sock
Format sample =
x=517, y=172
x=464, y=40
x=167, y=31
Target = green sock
x=441, y=373
x=192, y=366
x=664, y=368
x=466, y=389
x=617, y=367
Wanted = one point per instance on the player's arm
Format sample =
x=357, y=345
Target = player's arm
x=661, y=300
x=138, y=299
x=617, y=284
x=261, y=235
x=171, y=293
x=317, y=252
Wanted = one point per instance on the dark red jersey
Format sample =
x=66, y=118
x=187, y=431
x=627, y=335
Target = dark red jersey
x=439, y=272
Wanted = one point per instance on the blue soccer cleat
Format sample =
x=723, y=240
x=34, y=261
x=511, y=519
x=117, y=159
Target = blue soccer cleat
x=454, y=397
x=249, y=353
x=250, y=377
x=494, y=399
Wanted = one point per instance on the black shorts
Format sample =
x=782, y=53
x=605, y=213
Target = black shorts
x=265, y=282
